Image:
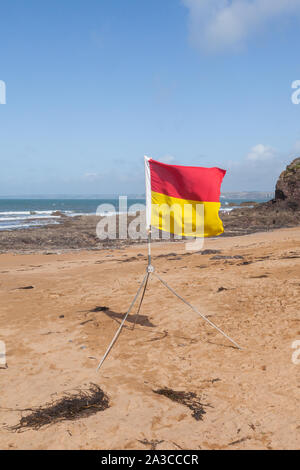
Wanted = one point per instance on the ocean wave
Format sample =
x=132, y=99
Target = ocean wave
x=18, y=226
x=29, y=217
x=228, y=209
x=33, y=212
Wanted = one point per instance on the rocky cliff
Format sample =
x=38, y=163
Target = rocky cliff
x=288, y=186
x=282, y=211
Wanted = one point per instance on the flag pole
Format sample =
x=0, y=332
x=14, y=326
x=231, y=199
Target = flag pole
x=149, y=247
x=150, y=268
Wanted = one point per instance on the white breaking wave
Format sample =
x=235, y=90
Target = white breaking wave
x=25, y=212
x=13, y=220
x=25, y=225
x=29, y=217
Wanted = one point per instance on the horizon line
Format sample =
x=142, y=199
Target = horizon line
x=111, y=196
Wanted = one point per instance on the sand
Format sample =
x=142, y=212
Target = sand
x=54, y=342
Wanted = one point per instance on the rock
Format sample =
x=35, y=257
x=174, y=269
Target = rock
x=227, y=257
x=209, y=252
x=221, y=289
x=288, y=186
x=58, y=214
x=248, y=203
x=99, y=309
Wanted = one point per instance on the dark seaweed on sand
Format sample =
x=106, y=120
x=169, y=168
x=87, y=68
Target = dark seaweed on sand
x=70, y=407
x=188, y=399
x=153, y=444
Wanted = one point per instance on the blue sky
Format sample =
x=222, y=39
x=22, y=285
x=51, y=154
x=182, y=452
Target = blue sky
x=92, y=86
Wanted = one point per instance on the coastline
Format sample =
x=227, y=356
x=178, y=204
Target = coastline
x=79, y=232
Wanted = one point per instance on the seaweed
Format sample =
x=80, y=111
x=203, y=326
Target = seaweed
x=69, y=407
x=189, y=399
x=153, y=444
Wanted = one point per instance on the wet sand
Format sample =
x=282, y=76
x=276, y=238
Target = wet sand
x=55, y=335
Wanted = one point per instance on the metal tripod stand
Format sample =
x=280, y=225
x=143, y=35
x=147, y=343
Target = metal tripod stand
x=150, y=270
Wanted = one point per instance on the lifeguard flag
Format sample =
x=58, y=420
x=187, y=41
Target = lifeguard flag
x=183, y=200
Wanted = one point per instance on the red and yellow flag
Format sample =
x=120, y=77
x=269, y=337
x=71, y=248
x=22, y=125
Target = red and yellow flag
x=183, y=200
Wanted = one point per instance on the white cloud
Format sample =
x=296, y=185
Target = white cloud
x=257, y=171
x=218, y=25
x=261, y=153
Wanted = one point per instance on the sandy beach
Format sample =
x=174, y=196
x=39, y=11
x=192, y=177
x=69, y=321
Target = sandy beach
x=56, y=332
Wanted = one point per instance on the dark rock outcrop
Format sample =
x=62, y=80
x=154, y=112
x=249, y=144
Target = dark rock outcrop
x=282, y=211
x=288, y=186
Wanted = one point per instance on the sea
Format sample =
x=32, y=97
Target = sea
x=22, y=213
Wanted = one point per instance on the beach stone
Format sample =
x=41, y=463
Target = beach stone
x=227, y=257
x=209, y=252
x=58, y=214
x=222, y=288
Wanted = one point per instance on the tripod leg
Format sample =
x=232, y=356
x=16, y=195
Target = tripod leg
x=122, y=324
x=141, y=301
x=196, y=311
